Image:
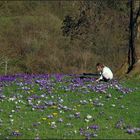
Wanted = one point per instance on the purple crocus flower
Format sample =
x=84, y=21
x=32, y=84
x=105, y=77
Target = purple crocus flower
x=95, y=127
x=77, y=114
x=16, y=133
x=40, y=107
x=49, y=116
x=120, y=124
x=82, y=131
x=49, y=103
x=130, y=131
x=35, y=96
x=87, y=135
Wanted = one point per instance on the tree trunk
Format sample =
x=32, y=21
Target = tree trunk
x=131, y=51
x=136, y=67
x=133, y=64
x=138, y=35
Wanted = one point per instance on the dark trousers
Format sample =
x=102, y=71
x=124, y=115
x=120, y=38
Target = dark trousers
x=105, y=79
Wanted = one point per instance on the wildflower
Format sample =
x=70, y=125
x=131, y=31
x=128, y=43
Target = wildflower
x=16, y=102
x=95, y=127
x=11, y=120
x=113, y=105
x=130, y=131
x=100, y=96
x=54, y=106
x=42, y=95
x=1, y=121
x=74, y=109
x=95, y=135
x=10, y=116
x=86, y=120
x=61, y=111
x=52, y=96
x=68, y=124
x=89, y=116
x=53, y=125
x=77, y=114
x=109, y=96
x=37, y=138
x=55, y=114
x=60, y=120
x=31, y=91
x=120, y=124
x=49, y=116
x=75, y=131
x=12, y=99
x=36, y=124
x=52, y=122
x=122, y=106
x=137, y=129
x=110, y=117
x=13, y=111
x=71, y=116
x=33, y=109
x=44, y=119
x=39, y=102
x=61, y=100
x=16, y=133
x=90, y=100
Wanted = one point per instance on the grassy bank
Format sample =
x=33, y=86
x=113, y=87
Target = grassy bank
x=66, y=107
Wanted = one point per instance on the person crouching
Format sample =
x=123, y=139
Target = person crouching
x=105, y=72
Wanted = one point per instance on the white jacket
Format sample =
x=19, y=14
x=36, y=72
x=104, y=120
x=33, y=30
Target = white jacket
x=106, y=73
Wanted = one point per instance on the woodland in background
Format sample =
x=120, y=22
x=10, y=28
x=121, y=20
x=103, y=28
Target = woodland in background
x=63, y=36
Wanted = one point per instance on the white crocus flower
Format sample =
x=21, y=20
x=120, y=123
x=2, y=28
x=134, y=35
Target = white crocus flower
x=86, y=120
x=89, y=116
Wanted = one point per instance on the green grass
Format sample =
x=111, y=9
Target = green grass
x=25, y=117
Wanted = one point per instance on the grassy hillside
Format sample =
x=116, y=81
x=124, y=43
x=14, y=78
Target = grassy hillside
x=32, y=39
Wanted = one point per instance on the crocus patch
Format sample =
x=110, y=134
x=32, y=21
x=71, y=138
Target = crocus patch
x=39, y=105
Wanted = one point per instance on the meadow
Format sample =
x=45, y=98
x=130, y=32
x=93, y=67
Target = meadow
x=58, y=106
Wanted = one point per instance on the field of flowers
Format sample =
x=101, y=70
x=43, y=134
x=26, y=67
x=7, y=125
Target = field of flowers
x=68, y=107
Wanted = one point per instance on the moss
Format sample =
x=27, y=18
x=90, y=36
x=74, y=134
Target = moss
x=121, y=72
x=135, y=72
